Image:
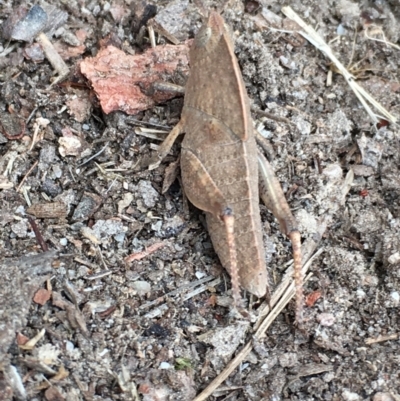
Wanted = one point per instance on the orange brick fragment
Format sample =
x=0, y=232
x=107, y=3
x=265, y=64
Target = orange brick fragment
x=312, y=298
x=149, y=250
x=21, y=339
x=41, y=296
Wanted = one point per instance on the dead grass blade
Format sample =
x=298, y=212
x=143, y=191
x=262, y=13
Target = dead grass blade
x=279, y=301
x=363, y=96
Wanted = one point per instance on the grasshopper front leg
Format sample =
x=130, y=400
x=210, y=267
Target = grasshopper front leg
x=166, y=146
x=272, y=195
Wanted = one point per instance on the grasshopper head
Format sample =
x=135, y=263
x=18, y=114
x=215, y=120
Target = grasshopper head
x=211, y=32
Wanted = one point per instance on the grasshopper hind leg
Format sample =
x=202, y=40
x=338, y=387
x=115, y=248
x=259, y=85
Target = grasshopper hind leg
x=272, y=195
x=202, y=191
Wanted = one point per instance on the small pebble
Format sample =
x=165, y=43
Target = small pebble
x=395, y=296
x=326, y=319
x=20, y=210
x=349, y=396
x=142, y=287
x=333, y=172
x=120, y=237
x=20, y=228
x=288, y=360
x=69, y=346
x=383, y=397
x=341, y=30
x=57, y=170
x=394, y=258
x=148, y=193
x=82, y=271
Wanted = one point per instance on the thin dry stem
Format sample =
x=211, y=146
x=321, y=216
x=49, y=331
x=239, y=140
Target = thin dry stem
x=178, y=291
x=363, y=96
x=27, y=175
x=380, y=339
x=279, y=300
x=235, y=362
x=165, y=147
x=163, y=32
x=384, y=40
x=152, y=36
x=140, y=255
x=159, y=310
x=52, y=55
x=95, y=155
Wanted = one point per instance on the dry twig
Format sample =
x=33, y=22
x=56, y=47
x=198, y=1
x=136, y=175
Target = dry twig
x=380, y=339
x=27, y=175
x=140, y=255
x=278, y=303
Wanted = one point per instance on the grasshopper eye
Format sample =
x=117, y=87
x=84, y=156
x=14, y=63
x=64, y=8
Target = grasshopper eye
x=203, y=37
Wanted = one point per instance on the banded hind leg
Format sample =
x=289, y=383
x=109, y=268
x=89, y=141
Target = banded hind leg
x=203, y=193
x=272, y=195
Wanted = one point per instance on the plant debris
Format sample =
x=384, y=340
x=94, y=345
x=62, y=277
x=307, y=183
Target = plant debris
x=139, y=303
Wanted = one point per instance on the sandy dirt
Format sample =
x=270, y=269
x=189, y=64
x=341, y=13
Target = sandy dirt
x=132, y=303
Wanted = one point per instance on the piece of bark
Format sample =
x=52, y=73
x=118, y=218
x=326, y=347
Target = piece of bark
x=51, y=210
x=74, y=315
x=52, y=394
x=80, y=106
x=12, y=126
x=361, y=170
x=42, y=296
x=124, y=82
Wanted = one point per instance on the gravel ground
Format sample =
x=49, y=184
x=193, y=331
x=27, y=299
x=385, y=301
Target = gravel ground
x=130, y=301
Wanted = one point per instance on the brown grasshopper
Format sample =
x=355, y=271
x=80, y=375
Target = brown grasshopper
x=223, y=173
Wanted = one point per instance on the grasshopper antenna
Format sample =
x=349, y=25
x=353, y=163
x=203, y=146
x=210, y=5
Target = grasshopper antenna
x=201, y=8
